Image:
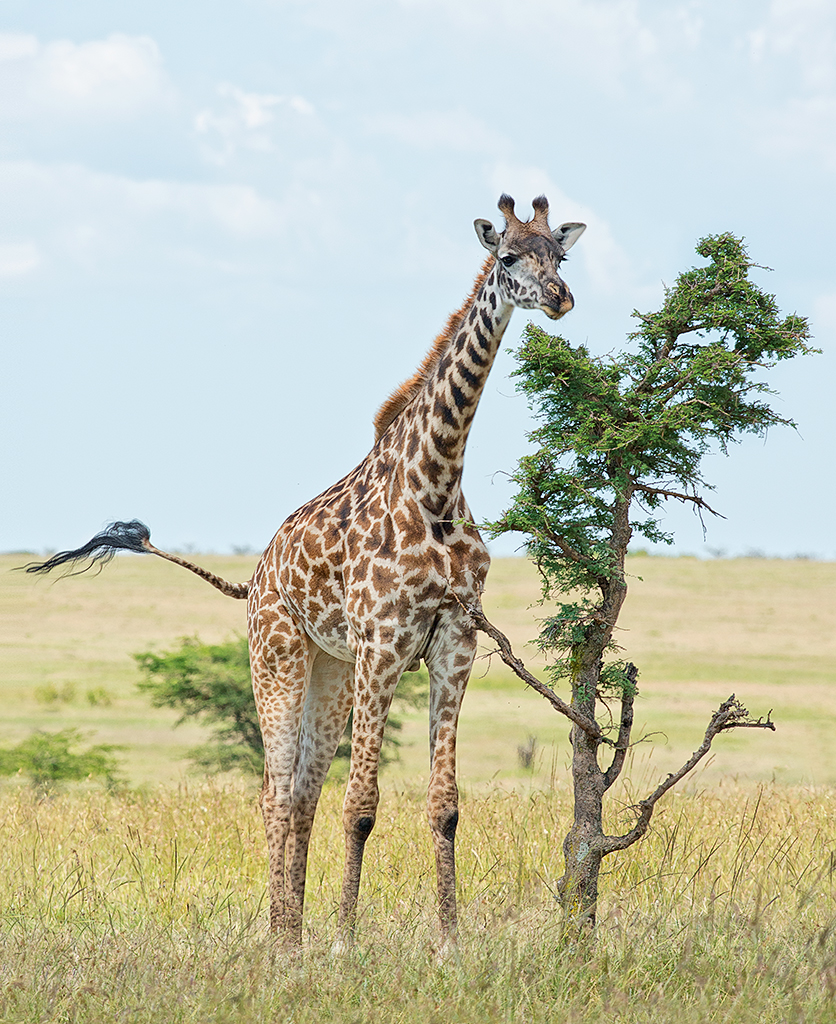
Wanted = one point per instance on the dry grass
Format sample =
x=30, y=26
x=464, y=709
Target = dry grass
x=151, y=908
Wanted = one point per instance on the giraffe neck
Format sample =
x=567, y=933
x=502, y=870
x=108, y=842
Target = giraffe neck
x=436, y=430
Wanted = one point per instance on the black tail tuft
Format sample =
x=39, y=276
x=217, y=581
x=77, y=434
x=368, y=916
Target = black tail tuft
x=131, y=536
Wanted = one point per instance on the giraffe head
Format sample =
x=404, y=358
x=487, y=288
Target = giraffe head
x=528, y=254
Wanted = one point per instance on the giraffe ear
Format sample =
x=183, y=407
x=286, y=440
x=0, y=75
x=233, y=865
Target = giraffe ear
x=567, y=234
x=486, y=233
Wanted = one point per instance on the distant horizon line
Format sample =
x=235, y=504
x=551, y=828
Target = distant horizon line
x=247, y=551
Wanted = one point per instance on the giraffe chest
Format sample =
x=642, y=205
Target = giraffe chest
x=388, y=585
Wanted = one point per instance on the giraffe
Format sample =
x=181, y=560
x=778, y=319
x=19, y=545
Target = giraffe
x=372, y=577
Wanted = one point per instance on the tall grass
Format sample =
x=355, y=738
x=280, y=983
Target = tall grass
x=151, y=907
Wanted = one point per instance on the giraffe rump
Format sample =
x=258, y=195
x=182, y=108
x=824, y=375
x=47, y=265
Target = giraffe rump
x=407, y=391
x=98, y=551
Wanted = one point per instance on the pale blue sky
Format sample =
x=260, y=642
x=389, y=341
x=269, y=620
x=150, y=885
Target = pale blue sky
x=227, y=230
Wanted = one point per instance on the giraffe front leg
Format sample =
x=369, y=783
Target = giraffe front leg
x=376, y=676
x=449, y=666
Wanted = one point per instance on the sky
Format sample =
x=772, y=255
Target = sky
x=228, y=230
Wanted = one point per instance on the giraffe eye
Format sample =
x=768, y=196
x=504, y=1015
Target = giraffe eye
x=509, y=261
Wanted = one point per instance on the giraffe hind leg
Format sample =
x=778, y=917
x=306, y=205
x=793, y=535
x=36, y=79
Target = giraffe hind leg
x=280, y=662
x=327, y=705
x=376, y=675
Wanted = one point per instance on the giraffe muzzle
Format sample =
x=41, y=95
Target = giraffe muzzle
x=559, y=301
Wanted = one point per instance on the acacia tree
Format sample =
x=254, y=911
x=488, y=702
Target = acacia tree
x=619, y=436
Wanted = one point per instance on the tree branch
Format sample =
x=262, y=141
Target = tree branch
x=565, y=547
x=568, y=549
x=622, y=744
x=673, y=335
x=505, y=652
x=730, y=715
x=695, y=498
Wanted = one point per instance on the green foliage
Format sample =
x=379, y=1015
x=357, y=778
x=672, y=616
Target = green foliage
x=619, y=435
x=47, y=758
x=211, y=683
x=99, y=696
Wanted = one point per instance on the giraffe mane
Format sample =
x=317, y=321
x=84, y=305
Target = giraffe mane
x=409, y=390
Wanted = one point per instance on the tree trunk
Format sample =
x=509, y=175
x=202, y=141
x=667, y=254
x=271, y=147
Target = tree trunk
x=582, y=846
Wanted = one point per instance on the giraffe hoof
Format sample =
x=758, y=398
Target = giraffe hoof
x=447, y=952
x=342, y=945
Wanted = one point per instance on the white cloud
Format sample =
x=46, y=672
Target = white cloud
x=602, y=41
x=803, y=31
x=602, y=45
x=17, y=46
x=18, y=258
x=103, y=77
x=245, y=120
x=238, y=209
x=801, y=126
x=824, y=314
x=98, y=222
x=798, y=38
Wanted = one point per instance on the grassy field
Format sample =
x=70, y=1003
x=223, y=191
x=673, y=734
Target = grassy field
x=698, y=630
x=149, y=904
x=150, y=908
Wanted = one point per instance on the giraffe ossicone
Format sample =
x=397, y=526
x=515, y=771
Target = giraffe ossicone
x=373, y=576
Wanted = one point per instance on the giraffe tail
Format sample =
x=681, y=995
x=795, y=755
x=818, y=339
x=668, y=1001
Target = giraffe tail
x=132, y=536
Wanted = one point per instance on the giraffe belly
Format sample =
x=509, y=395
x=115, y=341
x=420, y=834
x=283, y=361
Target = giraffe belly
x=324, y=623
x=406, y=636
x=333, y=644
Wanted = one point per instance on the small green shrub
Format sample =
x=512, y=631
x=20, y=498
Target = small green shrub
x=47, y=759
x=211, y=683
x=99, y=696
x=50, y=695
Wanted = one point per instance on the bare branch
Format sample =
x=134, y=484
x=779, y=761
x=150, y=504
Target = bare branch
x=566, y=548
x=730, y=715
x=622, y=744
x=694, y=498
x=589, y=726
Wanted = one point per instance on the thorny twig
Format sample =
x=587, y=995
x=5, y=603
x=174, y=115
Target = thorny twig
x=730, y=715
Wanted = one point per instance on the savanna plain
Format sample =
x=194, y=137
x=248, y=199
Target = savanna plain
x=147, y=902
